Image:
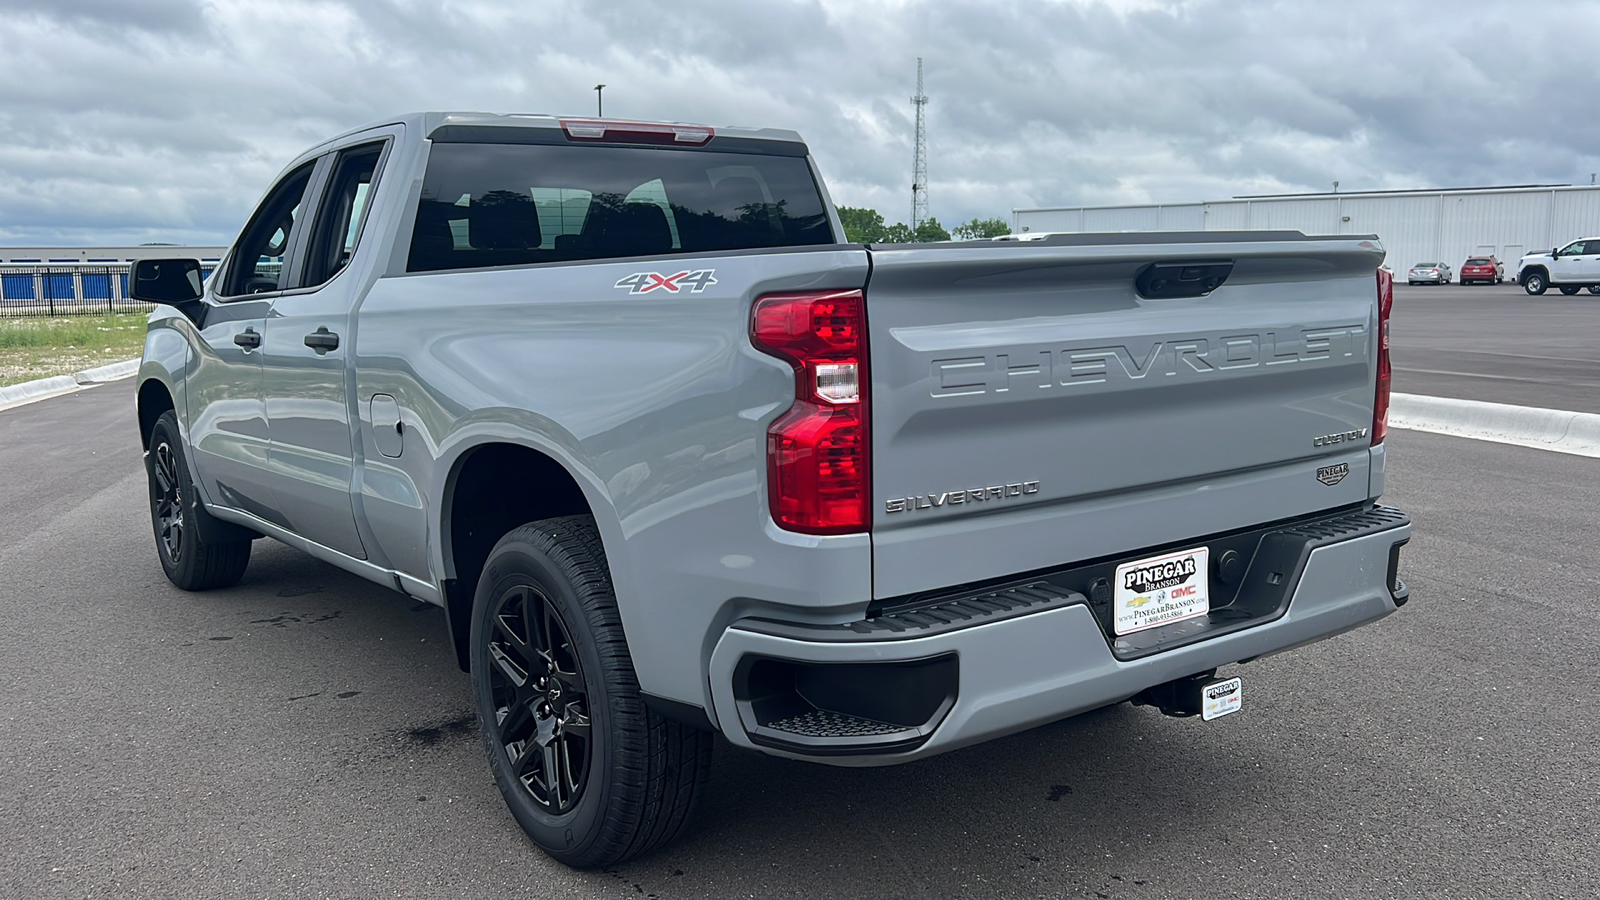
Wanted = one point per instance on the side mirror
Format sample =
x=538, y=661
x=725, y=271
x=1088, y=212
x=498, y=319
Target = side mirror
x=171, y=282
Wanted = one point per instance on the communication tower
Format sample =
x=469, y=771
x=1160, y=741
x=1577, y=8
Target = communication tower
x=919, y=164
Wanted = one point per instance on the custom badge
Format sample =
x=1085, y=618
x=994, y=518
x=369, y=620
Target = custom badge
x=692, y=280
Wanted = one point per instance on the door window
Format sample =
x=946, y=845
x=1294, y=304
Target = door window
x=258, y=255
x=344, y=208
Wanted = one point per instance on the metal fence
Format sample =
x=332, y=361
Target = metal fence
x=67, y=290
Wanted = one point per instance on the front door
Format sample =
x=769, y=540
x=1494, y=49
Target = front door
x=1574, y=262
x=306, y=353
x=227, y=414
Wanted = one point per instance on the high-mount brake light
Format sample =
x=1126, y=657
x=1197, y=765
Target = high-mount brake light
x=818, y=452
x=1380, y=402
x=616, y=132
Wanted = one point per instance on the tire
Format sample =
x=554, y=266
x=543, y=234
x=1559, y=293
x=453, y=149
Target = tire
x=590, y=773
x=1534, y=283
x=1594, y=288
x=1569, y=289
x=189, y=561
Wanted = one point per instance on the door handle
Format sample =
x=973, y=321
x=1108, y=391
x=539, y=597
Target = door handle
x=322, y=340
x=248, y=338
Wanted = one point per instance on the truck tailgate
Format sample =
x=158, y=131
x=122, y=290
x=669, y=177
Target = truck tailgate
x=1030, y=408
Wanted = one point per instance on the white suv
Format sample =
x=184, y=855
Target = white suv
x=1575, y=266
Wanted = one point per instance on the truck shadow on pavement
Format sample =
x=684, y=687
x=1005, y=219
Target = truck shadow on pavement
x=1079, y=799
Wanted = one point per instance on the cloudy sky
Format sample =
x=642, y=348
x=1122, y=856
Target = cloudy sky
x=165, y=120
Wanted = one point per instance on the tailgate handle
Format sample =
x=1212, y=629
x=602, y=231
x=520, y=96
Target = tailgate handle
x=1170, y=281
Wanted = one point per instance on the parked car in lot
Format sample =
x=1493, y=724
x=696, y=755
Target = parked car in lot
x=1570, y=268
x=1483, y=270
x=1429, y=273
x=677, y=459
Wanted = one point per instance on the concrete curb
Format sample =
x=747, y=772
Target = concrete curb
x=44, y=388
x=110, y=372
x=1560, y=430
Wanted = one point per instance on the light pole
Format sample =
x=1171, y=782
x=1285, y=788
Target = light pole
x=599, y=101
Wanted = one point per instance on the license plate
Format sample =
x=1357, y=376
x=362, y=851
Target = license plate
x=1161, y=590
x=1221, y=698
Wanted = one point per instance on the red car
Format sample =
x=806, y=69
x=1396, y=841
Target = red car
x=1486, y=269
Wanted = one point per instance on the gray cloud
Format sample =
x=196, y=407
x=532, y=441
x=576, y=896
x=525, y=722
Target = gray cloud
x=166, y=119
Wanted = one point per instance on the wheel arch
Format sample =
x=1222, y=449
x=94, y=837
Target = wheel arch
x=155, y=398
x=493, y=487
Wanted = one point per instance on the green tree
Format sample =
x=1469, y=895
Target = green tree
x=866, y=226
x=981, y=229
x=898, y=233
x=861, y=225
x=928, y=230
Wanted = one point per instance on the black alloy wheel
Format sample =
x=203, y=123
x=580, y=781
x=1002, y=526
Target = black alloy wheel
x=541, y=720
x=592, y=774
x=177, y=518
x=167, y=495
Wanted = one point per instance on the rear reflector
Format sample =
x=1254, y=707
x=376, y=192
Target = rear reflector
x=818, y=451
x=1380, y=402
x=617, y=132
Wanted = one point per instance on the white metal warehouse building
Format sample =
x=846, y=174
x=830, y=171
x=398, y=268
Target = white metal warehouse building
x=1415, y=226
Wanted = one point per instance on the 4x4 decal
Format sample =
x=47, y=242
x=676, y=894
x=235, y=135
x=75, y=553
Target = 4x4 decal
x=696, y=280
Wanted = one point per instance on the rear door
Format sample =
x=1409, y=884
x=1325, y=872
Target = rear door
x=227, y=413
x=1031, y=408
x=305, y=354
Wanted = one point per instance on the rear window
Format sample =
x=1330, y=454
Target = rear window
x=1477, y=262
x=515, y=204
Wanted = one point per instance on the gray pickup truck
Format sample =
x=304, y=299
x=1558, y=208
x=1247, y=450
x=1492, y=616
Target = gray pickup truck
x=677, y=460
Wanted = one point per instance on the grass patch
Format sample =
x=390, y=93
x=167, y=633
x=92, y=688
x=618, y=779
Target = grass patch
x=40, y=347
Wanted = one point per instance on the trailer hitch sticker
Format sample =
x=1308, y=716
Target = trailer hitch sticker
x=694, y=280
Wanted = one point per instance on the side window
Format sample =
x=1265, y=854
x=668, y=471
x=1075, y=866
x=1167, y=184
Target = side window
x=1573, y=249
x=344, y=207
x=257, y=264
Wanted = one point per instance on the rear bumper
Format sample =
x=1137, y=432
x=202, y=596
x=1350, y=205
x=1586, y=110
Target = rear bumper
x=1004, y=672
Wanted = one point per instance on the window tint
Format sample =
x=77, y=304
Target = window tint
x=257, y=264
x=1477, y=262
x=503, y=204
x=344, y=205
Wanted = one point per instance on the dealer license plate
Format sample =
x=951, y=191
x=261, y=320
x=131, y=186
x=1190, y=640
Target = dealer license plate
x=1161, y=590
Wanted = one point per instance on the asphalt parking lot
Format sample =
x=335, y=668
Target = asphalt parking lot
x=1497, y=343
x=307, y=733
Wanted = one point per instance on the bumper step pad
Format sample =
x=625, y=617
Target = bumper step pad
x=821, y=723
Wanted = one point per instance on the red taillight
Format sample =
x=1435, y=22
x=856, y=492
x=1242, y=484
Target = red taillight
x=818, y=451
x=616, y=132
x=1380, y=403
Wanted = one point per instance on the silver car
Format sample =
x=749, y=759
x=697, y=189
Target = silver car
x=1429, y=273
